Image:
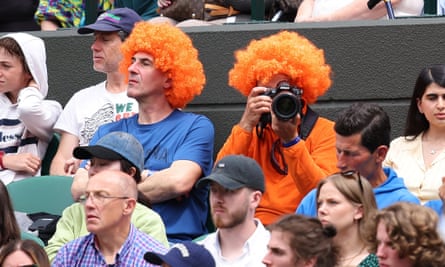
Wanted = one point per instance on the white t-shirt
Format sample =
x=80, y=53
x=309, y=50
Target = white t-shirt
x=254, y=249
x=405, y=8
x=90, y=108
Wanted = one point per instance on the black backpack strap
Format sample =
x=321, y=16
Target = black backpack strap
x=308, y=122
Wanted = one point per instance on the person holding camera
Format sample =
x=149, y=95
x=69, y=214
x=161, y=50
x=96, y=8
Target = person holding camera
x=281, y=75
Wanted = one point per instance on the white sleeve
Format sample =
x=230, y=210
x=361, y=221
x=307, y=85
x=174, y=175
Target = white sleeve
x=38, y=115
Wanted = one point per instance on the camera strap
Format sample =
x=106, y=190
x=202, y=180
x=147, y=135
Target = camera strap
x=308, y=122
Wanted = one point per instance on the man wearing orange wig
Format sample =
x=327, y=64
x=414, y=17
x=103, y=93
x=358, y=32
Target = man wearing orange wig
x=294, y=151
x=164, y=74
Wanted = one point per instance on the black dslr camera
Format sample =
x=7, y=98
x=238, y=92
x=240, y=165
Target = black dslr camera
x=286, y=103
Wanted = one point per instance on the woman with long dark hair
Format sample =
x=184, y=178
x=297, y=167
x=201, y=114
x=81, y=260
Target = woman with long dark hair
x=9, y=229
x=419, y=155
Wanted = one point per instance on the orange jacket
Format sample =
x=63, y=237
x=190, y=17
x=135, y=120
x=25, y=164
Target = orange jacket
x=308, y=162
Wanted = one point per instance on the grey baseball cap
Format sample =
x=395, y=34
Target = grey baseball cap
x=236, y=171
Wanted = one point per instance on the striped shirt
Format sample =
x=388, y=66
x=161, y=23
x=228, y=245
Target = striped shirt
x=84, y=252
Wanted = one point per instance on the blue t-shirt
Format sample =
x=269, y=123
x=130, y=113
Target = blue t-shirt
x=391, y=191
x=180, y=136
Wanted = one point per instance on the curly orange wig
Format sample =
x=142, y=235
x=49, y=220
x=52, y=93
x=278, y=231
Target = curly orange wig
x=286, y=53
x=173, y=53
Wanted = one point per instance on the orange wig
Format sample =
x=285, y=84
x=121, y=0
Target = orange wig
x=173, y=53
x=286, y=53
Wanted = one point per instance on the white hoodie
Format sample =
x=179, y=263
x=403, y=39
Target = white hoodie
x=27, y=126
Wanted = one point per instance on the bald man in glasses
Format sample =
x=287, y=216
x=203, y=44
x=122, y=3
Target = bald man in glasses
x=109, y=201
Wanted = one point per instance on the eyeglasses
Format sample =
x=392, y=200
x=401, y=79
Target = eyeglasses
x=97, y=197
x=351, y=174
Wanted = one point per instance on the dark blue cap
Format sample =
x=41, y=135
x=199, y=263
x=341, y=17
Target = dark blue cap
x=114, y=20
x=185, y=254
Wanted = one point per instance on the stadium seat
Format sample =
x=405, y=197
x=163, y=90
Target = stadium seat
x=25, y=235
x=50, y=194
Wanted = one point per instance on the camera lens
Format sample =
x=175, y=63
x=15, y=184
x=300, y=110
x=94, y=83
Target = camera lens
x=285, y=106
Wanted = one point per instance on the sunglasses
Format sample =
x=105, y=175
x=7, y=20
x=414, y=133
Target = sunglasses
x=351, y=174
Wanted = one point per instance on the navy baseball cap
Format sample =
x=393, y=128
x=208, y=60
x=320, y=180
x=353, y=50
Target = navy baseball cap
x=185, y=254
x=234, y=172
x=118, y=19
x=114, y=146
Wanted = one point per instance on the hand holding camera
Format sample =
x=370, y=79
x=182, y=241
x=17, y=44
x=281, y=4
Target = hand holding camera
x=287, y=130
x=286, y=104
x=256, y=105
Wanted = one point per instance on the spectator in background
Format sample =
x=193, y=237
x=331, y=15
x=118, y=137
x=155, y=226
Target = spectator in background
x=145, y=8
x=26, y=118
x=9, y=228
x=105, y=102
x=186, y=254
x=164, y=74
x=229, y=11
x=419, y=155
x=405, y=234
x=23, y=253
x=297, y=151
x=109, y=202
x=362, y=139
x=346, y=201
x=18, y=16
x=115, y=151
x=54, y=14
x=236, y=188
x=298, y=241
x=327, y=10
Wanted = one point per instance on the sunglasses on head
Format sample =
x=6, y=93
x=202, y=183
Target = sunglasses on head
x=351, y=174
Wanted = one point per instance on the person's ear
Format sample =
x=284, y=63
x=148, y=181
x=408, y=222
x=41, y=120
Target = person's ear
x=381, y=152
x=358, y=213
x=419, y=105
x=256, y=197
x=168, y=82
x=310, y=262
x=132, y=171
x=129, y=205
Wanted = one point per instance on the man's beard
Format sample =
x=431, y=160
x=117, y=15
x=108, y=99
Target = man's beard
x=230, y=220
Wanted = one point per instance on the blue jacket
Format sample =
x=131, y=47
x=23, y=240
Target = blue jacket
x=436, y=205
x=391, y=191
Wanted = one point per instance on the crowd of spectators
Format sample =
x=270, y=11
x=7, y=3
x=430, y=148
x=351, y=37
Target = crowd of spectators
x=145, y=182
x=48, y=15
